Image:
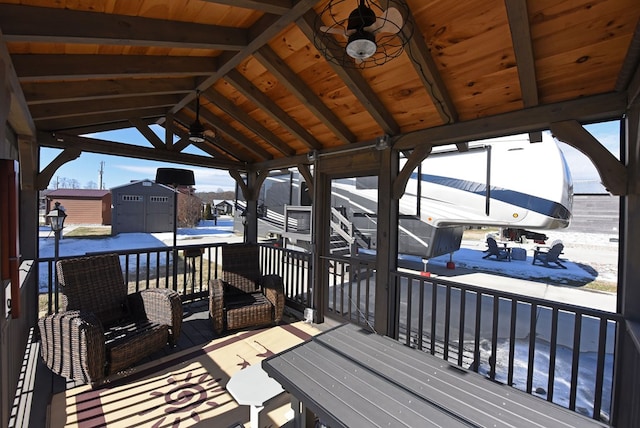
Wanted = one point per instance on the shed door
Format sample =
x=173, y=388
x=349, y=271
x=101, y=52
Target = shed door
x=159, y=215
x=130, y=214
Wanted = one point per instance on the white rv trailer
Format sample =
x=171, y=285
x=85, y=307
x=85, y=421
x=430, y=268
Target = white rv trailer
x=506, y=182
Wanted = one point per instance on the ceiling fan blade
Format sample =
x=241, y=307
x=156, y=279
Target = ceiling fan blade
x=390, y=22
x=333, y=30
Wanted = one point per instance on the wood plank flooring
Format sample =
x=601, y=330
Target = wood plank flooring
x=38, y=384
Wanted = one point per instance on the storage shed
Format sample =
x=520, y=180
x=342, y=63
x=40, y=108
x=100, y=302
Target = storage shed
x=142, y=206
x=83, y=206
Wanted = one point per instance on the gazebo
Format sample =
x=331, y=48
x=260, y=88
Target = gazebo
x=263, y=85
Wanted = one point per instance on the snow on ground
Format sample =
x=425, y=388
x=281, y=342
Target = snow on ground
x=587, y=256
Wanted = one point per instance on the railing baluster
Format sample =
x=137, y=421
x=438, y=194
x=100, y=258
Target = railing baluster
x=577, y=333
x=434, y=312
x=409, y=312
x=553, y=349
x=447, y=321
x=599, y=386
x=463, y=303
x=512, y=340
x=532, y=346
x=493, y=358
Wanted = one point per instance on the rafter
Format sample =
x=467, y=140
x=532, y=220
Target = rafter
x=57, y=67
x=249, y=90
x=523, y=50
x=94, y=145
x=231, y=133
x=278, y=7
x=247, y=121
x=261, y=32
x=28, y=23
x=51, y=92
x=297, y=87
x=109, y=105
x=72, y=122
x=356, y=83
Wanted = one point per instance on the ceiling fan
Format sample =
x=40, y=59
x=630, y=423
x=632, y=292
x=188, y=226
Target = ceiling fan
x=371, y=33
x=196, y=129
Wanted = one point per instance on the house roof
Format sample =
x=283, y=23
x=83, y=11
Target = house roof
x=77, y=193
x=477, y=68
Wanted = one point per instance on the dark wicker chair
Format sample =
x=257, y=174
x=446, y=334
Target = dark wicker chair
x=100, y=328
x=244, y=297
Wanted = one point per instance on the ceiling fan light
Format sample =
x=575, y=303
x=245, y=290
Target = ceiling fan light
x=196, y=132
x=361, y=45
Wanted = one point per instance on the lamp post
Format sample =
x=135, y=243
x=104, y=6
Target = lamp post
x=56, y=220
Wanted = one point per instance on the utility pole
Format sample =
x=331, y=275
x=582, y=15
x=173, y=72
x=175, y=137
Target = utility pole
x=101, y=172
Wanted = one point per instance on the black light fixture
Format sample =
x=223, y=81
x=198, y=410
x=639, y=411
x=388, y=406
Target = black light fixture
x=375, y=32
x=56, y=217
x=196, y=130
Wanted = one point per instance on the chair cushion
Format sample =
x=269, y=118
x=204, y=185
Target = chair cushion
x=129, y=342
x=245, y=310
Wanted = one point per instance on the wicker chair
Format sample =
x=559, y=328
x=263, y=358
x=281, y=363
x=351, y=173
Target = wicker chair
x=100, y=328
x=244, y=297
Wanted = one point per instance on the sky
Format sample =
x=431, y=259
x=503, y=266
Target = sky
x=118, y=171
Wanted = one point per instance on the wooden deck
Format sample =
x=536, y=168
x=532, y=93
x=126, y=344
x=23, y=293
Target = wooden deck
x=39, y=384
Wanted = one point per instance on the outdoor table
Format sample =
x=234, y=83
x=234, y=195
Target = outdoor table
x=349, y=377
x=253, y=387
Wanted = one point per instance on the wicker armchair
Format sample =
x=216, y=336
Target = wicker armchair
x=244, y=297
x=100, y=328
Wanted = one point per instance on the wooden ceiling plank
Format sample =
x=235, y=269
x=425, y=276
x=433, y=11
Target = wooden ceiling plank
x=277, y=7
x=53, y=92
x=297, y=87
x=39, y=24
x=260, y=34
x=356, y=83
x=249, y=90
x=428, y=72
x=34, y=67
x=95, y=145
x=88, y=106
x=247, y=121
x=148, y=133
x=586, y=109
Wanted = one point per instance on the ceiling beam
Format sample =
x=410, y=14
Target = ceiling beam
x=290, y=80
x=148, y=133
x=587, y=109
x=72, y=122
x=39, y=24
x=260, y=34
x=48, y=66
x=18, y=115
x=247, y=121
x=233, y=134
x=523, y=50
x=52, y=92
x=94, y=145
x=277, y=7
x=354, y=81
x=89, y=106
x=612, y=172
x=249, y=90
x=629, y=76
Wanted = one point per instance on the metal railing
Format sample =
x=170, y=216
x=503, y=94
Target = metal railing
x=557, y=351
x=188, y=270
